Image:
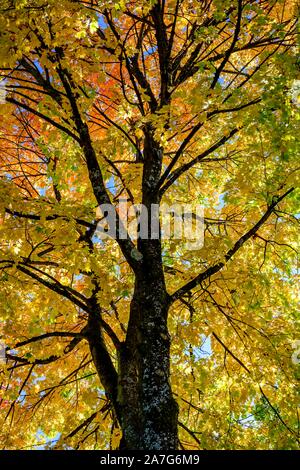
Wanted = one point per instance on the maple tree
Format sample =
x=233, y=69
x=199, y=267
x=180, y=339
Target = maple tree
x=148, y=344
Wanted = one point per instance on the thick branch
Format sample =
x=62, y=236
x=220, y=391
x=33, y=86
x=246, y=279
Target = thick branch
x=101, y=357
x=218, y=266
x=163, y=51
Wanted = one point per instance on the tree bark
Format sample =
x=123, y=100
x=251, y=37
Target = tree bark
x=148, y=409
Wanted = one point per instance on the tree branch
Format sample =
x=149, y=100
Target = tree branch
x=177, y=173
x=48, y=360
x=218, y=266
x=48, y=217
x=54, y=286
x=231, y=48
x=43, y=116
x=63, y=334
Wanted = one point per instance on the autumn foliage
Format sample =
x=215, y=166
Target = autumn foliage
x=176, y=101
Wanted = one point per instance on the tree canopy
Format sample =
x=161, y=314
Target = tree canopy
x=158, y=101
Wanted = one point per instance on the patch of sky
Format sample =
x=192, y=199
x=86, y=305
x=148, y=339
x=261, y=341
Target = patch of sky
x=38, y=66
x=45, y=441
x=38, y=378
x=111, y=186
x=250, y=420
x=13, y=352
x=41, y=191
x=97, y=239
x=21, y=398
x=30, y=296
x=221, y=81
x=199, y=172
x=289, y=274
x=150, y=50
x=204, y=350
x=117, y=270
x=101, y=21
x=221, y=202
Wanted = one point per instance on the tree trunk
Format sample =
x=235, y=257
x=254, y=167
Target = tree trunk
x=149, y=411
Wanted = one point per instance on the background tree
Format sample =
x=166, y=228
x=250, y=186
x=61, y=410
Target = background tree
x=155, y=101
